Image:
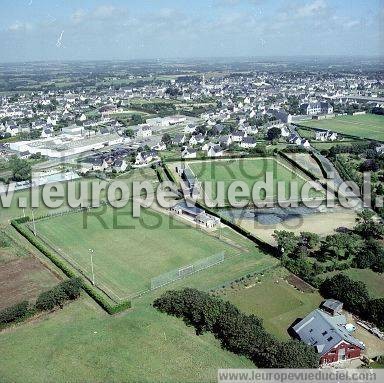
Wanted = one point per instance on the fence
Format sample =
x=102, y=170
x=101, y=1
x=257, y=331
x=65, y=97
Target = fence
x=184, y=271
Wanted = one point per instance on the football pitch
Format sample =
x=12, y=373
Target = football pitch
x=248, y=170
x=369, y=126
x=128, y=252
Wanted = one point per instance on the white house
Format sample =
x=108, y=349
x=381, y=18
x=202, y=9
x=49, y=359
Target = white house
x=197, y=139
x=189, y=129
x=144, y=131
x=146, y=157
x=248, y=143
x=160, y=146
x=188, y=153
x=238, y=136
x=325, y=135
x=215, y=151
x=120, y=165
x=285, y=131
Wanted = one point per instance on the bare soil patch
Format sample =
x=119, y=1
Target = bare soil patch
x=23, y=279
x=299, y=284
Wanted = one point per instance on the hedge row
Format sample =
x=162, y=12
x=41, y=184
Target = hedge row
x=16, y=313
x=169, y=174
x=324, y=171
x=297, y=165
x=64, y=291
x=239, y=333
x=355, y=296
x=263, y=245
x=91, y=291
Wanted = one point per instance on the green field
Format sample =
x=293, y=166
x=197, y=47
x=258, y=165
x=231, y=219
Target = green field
x=374, y=281
x=366, y=126
x=14, y=211
x=275, y=301
x=126, y=257
x=248, y=170
x=83, y=343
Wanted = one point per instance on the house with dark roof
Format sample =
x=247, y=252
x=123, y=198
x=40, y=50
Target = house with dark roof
x=214, y=151
x=328, y=334
x=188, y=153
x=248, y=142
x=312, y=108
x=197, y=214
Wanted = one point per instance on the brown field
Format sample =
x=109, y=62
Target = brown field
x=23, y=279
x=299, y=284
x=22, y=275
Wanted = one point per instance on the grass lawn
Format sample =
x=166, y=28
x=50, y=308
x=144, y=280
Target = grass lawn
x=374, y=281
x=248, y=170
x=83, y=344
x=319, y=145
x=14, y=211
x=275, y=301
x=366, y=126
x=126, y=258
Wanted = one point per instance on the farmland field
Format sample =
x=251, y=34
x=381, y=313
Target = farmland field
x=22, y=276
x=366, y=126
x=248, y=170
x=275, y=301
x=126, y=257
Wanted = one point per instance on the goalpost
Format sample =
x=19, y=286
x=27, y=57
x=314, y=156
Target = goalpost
x=184, y=271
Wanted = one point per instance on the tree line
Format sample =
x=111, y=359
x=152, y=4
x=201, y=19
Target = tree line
x=308, y=256
x=239, y=333
x=356, y=298
x=65, y=291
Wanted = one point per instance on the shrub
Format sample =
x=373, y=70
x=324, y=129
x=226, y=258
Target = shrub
x=72, y=288
x=240, y=333
x=353, y=294
x=375, y=312
x=14, y=313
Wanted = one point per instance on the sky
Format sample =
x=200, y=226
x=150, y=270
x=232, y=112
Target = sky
x=42, y=30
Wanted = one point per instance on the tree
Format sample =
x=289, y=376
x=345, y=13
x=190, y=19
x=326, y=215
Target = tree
x=14, y=313
x=295, y=354
x=273, y=134
x=310, y=240
x=167, y=139
x=21, y=169
x=71, y=288
x=369, y=166
x=342, y=245
x=353, y=294
x=129, y=133
x=240, y=333
x=286, y=241
x=375, y=311
x=137, y=119
x=367, y=227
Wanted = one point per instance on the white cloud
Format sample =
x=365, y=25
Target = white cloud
x=312, y=8
x=19, y=26
x=78, y=16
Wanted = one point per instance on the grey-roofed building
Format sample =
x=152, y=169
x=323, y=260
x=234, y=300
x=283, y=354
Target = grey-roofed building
x=329, y=336
x=332, y=306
